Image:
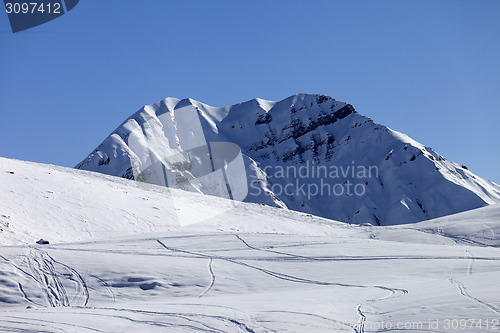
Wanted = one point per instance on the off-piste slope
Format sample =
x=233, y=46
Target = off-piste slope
x=125, y=257
x=66, y=205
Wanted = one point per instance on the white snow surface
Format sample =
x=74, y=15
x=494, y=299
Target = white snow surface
x=408, y=182
x=120, y=261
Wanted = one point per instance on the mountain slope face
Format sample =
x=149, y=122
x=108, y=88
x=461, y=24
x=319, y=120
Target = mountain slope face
x=308, y=153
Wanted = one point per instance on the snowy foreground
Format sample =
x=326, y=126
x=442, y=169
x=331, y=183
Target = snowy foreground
x=126, y=258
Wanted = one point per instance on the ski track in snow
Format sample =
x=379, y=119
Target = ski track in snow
x=52, y=325
x=28, y=274
x=393, y=292
x=43, y=268
x=457, y=239
x=181, y=321
x=25, y=296
x=212, y=277
x=106, y=286
x=463, y=292
x=282, y=276
x=196, y=318
x=273, y=251
x=360, y=327
x=82, y=294
x=40, y=266
x=316, y=317
x=298, y=258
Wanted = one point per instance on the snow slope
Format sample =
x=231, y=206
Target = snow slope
x=370, y=173
x=119, y=260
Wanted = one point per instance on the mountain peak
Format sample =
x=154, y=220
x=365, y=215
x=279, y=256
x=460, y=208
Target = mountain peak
x=307, y=152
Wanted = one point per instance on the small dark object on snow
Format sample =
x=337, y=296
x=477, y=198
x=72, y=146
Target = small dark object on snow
x=42, y=241
x=11, y=172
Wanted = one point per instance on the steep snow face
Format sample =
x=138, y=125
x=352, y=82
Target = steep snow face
x=308, y=153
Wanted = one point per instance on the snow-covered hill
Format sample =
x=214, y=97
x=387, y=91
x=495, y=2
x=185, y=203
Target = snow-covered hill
x=67, y=205
x=309, y=153
x=120, y=260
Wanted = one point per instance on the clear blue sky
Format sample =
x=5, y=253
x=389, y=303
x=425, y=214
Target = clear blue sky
x=430, y=69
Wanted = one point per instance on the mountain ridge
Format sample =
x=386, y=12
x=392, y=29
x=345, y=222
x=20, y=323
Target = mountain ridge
x=413, y=182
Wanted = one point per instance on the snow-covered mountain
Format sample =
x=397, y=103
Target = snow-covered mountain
x=309, y=153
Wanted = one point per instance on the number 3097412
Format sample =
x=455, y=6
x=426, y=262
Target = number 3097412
x=33, y=8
